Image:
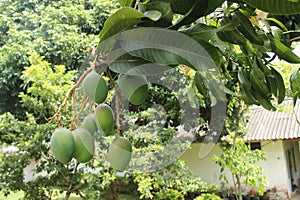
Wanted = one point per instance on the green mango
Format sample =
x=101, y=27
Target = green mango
x=95, y=87
x=134, y=88
x=89, y=123
x=119, y=153
x=84, y=145
x=104, y=119
x=62, y=145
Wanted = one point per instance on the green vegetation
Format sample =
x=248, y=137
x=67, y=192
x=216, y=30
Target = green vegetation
x=61, y=32
x=43, y=45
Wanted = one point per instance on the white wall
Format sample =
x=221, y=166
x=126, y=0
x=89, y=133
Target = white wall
x=275, y=168
x=205, y=167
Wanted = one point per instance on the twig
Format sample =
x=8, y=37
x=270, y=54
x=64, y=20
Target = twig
x=68, y=194
x=81, y=195
x=291, y=31
x=117, y=101
x=294, y=39
x=70, y=93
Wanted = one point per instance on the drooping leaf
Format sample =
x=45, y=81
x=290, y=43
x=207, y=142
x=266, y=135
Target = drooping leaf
x=295, y=85
x=206, y=32
x=212, y=5
x=128, y=64
x=200, y=31
x=181, y=7
x=276, y=7
x=197, y=10
x=165, y=47
x=284, y=52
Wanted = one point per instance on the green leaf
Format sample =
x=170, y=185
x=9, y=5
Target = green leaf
x=215, y=53
x=195, y=12
x=276, y=7
x=212, y=5
x=181, y=6
x=128, y=64
x=121, y=20
x=284, y=52
x=153, y=14
x=125, y=2
x=167, y=14
x=200, y=31
x=295, y=85
x=165, y=47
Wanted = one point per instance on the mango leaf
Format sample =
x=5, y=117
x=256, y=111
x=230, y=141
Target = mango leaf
x=200, y=31
x=199, y=9
x=125, y=2
x=167, y=14
x=181, y=6
x=195, y=12
x=284, y=52
x=165, y=47
x=276, y=7
x=128, y=64
x=214, y=52
x=121, y=20
x=295, y=85
x=212, y=5
x=153, y=14
x=202, y=34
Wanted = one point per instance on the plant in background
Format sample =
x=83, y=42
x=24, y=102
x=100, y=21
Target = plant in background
x=46, y=89
x=60, y=32
x=232, y=39
x=208, y=197
x=241, y=161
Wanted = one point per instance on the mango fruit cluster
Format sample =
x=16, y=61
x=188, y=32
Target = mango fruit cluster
x=80, y=143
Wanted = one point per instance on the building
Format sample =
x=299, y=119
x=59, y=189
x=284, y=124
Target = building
x=275, y=133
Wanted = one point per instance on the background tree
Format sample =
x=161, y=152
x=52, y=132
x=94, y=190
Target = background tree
x=238, y=41
x=61, y=32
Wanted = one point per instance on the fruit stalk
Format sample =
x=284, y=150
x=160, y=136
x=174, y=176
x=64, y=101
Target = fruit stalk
x=70, y=93
x=117, y=102
x=72, y=89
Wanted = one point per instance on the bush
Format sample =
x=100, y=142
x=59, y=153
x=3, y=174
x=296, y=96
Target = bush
x=208, y=197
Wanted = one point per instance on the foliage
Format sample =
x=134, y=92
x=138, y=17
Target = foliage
x=234, y=34
x=208, y=197
x=240, y=160
x=233, y=40
x=94, y=180
x=61, y=32
x=45, y=85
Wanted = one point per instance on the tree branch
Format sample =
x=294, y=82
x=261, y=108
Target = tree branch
x=70, y=93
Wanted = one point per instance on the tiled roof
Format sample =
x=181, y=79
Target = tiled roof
x=270, y=125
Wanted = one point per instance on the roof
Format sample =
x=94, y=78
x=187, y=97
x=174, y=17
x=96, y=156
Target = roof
x=274, y=125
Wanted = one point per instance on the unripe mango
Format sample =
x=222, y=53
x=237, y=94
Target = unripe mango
x=134, y=88
x=104, y=119
x=62, y=145
x=119, y=153
x=95, y=87
x=89, y=123
x=84, y=145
